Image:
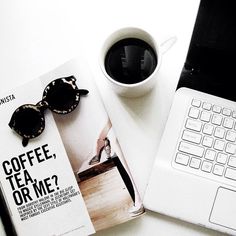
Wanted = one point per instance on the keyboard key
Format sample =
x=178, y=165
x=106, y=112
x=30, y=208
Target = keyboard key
x=216, y=119
x=193, y=112
x=206, y=166
x=191, y=136
x=235, y=125
x=232, y=161
x=208, y=129
x=218, y=170
x=219, y=132
x=205, y=116
x=228, y=123
x=195, y=163
x=191, y=149
x=216, y=109
x=230, y=148
x=193, y=125
x=210, y=155
x=219, y=145
x=221, y=158
x=230, y=136
x=196, y=103
x=230, y=173
x=182, y=159
x=234, y=114
x=226, y=112
x=206, y=106
x=207, y=141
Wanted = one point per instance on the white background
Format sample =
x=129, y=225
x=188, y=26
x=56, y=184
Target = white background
x=36, y=36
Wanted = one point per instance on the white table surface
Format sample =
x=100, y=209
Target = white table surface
x=36, y=36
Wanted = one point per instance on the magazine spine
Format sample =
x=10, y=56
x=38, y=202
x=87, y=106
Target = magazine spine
x=6, y=217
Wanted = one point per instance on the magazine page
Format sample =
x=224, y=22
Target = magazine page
x=37, y=182
x=95, y=154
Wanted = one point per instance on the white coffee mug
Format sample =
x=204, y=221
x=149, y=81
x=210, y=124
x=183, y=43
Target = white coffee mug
x=139, y=88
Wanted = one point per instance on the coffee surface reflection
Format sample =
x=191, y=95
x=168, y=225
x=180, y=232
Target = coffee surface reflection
x=130, y=61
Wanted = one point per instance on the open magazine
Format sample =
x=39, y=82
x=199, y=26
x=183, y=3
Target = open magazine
x=70, y=180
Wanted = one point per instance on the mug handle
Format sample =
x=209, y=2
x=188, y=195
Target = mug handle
x=167, y=44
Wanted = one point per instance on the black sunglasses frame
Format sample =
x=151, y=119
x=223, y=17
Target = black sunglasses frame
x=66, y=83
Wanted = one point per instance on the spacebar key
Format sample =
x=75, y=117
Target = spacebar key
x=191, y=149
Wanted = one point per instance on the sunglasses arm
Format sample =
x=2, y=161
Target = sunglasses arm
x=83, y=91
x=25, y=141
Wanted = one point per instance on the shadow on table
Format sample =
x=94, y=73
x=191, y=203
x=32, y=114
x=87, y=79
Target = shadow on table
x=164, y=225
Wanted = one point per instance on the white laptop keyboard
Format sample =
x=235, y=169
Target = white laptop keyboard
x=207, y=144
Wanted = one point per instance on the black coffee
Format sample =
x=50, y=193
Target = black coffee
x=130, y=61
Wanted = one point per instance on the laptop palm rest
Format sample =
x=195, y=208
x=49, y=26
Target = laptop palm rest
x=224, y=208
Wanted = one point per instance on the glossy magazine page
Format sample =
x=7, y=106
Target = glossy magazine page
x=95, y=154
x=41, y=195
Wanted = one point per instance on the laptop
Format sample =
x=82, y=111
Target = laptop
x=194, y=175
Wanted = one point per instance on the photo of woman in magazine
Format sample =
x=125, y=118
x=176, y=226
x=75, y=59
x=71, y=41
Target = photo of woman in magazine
x=105, y=160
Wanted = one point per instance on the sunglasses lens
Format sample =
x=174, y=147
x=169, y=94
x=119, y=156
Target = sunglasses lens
x=27, y=121
x=62, y=95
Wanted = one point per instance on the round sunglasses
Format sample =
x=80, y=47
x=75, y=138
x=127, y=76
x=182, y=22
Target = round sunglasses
x=61, y=96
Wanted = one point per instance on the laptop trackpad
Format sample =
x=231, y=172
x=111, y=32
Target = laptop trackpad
x=224, y=209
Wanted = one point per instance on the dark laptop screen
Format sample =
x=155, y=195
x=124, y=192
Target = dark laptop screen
x=211, y=61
